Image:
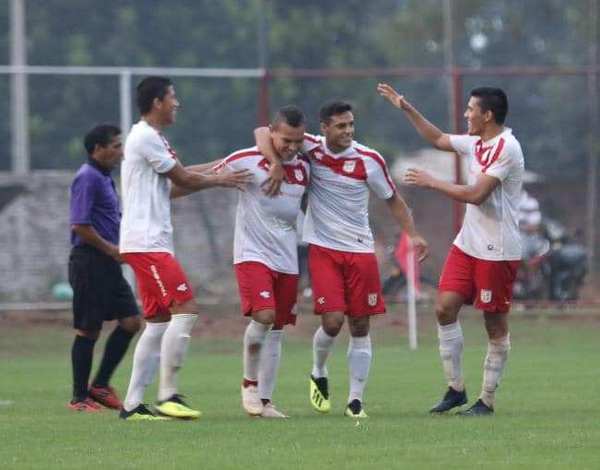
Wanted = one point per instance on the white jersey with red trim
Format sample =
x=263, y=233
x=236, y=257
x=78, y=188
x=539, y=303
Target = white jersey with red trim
x=338, y=196
x=490, y=231
x=146, y=223
x=265, y=227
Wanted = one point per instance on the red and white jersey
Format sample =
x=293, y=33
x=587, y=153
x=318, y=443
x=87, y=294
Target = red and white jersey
x=490, y=231
x=338, y=196
x=146, y=223
x=265, y=227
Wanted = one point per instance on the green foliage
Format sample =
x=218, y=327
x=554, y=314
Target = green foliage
x=219, y=114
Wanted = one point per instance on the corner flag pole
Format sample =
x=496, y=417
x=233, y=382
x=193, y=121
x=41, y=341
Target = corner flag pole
x=411, y=298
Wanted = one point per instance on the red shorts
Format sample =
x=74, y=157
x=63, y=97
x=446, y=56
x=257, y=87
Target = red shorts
x=261, y=288
x=485, y=284
x=345, y=282
x=160, y=280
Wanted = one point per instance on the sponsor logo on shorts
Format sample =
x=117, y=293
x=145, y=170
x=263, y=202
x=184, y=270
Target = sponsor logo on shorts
x=321, y=300
x=485, y=296
x=158, y=280
x=349, y=166
x=182, y=287
x=265, y=294
x=294, y=310
x=490, y=247
x=372, y=300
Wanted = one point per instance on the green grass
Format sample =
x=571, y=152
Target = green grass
x=548, y=408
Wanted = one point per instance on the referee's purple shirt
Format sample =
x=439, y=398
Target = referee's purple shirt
x=94, y=202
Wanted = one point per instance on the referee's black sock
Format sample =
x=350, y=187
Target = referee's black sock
x=82, y=354
x=116, y=347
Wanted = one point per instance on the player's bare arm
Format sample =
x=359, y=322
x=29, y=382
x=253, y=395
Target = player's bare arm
x=204, y=168
x=402, y=215
x=272, y=185
x=471, y=194
x=193, y=181
x=89, y=235
x=426, y=129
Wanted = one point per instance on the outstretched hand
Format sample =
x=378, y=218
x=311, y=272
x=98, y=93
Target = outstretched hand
x=416, y=177
x=272, y=185
x=234, y=179
x=392, y=96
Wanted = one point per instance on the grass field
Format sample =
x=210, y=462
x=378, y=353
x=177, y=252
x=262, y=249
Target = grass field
x=548, y=409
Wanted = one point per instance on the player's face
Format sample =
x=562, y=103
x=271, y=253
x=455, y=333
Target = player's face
x=339, y=131
x=110, y=156
x=287, y=140
x=168, y=106
x=476, y=120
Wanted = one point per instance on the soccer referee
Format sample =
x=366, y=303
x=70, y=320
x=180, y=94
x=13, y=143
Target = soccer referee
x=100, y=292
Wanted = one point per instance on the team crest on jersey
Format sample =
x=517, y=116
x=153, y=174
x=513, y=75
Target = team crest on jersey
x=318, y=154
x=485, y=296
x=349, y=166
x=299, y=175
x=372, y=300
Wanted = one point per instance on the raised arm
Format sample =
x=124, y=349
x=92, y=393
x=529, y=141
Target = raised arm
x=471, y=194
x=426, y=129
x=272, y=185
x=403, y=216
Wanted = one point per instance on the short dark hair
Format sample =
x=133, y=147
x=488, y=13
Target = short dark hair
x=332, y=108
x=494, y=100
x=150, y=88
x=291, y=115
x=100, y=135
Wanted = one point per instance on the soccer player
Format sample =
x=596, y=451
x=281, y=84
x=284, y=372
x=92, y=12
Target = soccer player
x=149, y=167
x=342, y=263
x=266, y=257
x=100, y=292
x=482, y=263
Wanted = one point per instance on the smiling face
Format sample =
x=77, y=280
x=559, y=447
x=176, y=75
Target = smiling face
x=166, y=108
x=287, y=140
x=339, y=131
x=476, y=119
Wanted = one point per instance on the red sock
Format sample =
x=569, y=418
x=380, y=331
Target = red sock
x=246, y=383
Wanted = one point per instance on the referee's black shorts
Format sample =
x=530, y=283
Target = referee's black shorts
x=100, y=292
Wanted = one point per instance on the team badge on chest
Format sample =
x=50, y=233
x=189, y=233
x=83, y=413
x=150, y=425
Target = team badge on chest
x=349, y=166
x=299, y=175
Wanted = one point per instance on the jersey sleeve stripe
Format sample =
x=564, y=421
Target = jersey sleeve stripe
x=379, y=159
x=242, y=154
x=311, y=138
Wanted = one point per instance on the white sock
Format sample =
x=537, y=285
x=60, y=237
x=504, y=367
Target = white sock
x=269, y=364
x=146, y=359
x=254, y=337
x=322, y=345
x=451, y=352
x=174, y=345
x=493, y=366
x=359, y=363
